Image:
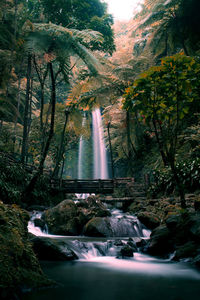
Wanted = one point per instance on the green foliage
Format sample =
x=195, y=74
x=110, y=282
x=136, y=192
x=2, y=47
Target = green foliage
x=81, y=15
x=159, y=90
x=164, y=97
x=172, y=25
x=12, y=180
x=188, y=171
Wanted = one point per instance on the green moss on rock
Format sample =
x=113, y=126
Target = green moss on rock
x=19, y=267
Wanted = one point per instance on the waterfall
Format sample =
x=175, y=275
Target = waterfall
x=99, y=149
x=81, y=152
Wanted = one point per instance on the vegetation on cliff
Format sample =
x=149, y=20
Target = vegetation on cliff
x=19, y=267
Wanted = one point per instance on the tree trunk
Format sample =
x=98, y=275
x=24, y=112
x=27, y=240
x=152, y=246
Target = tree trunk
x=1, y=125
x=17, y=115
x=30, y=105
x=16, y=19
x=61, y=147
x=25, y=129
x=178, y=183
x=111, y=153
x=130, y=146
x=39, y=172
x=164, y=159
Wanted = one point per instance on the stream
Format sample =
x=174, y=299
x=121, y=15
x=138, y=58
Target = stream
x=98, y=274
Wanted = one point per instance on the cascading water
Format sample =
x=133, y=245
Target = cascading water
x=123, y=226
x=100, y=156
x=100, y=273
x=81, y=152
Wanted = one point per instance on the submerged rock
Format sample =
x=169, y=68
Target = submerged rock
x=19, y=266
x=126, y=251
x=47, y=249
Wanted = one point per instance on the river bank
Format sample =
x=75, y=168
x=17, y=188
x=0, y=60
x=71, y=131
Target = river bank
x=122, y=255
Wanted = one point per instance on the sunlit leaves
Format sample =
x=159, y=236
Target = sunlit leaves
x=165, y=97
x=160, y=91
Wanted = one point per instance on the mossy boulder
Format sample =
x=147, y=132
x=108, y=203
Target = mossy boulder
x=150, y=220
x=180, y=233
x=184, y=251
x=69, y=218
x=62, y=219
x=160, y=242
x=19, y=267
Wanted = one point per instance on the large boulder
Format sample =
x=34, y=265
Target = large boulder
x=180, y=233
x=19, y=266
x=95, y=207
x=69, y=218
x=62, y=219
x=184, y=251
x=150, y=220
x=47, y=249
x=98, y=227
x=160, y=243
x=172, y=222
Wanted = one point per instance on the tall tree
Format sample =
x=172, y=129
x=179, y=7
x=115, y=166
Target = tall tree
x=58, y=44
x=164, y=97
x=82, y=15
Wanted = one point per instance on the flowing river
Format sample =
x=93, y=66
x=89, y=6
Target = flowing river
x=99, y=275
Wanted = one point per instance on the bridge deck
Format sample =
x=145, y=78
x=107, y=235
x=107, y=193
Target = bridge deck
x=97, y=186
x=84, y=186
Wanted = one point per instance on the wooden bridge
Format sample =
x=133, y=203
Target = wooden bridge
x=79, y=186
x=96, y=186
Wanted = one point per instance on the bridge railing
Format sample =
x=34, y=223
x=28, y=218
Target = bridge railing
x=83, y=186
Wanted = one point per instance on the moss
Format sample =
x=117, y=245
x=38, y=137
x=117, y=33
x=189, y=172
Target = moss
x=19, y=267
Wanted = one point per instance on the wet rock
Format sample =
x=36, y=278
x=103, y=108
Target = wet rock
x=149, y=219
x=39, y=223
x=196, y=260
x=184, y=251
x=118, y=243
x=47, y=249
x=126, y=251
x=172, y=222
x=135, y=207
x=195, y=228
x=97, y=208
x=132, y=244
x=61, y=219
x=98, y=227
x=197, y=204
x=67, y=218
x=141, y=243
x=160, y=243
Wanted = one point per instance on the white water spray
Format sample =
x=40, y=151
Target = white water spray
x=100, y=157
x=81, y=152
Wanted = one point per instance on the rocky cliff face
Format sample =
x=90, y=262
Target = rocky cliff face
x=19, y=267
